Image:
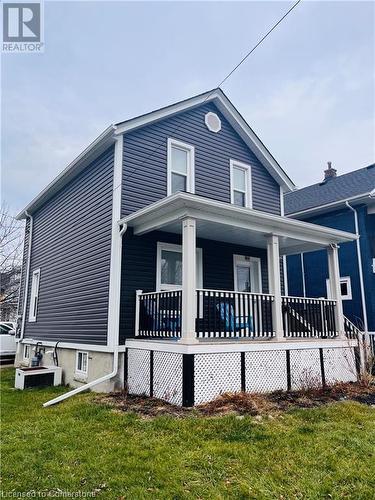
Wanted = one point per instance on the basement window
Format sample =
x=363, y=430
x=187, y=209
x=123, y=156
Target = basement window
x=180, y=167
x=26, y=352
x=82, y=359
x=34, y=295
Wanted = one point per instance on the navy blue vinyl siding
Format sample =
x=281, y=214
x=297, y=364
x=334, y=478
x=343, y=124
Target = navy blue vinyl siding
x=139, y=269
x=71, y=245
x=316, y=265
x=145, y=162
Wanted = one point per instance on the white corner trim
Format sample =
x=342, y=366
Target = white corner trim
x=190, y=175
x=27, y=277
x=247, y=169
x=116, y=248
x=282, y=207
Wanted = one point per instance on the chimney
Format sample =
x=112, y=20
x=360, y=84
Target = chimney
x=330, y=173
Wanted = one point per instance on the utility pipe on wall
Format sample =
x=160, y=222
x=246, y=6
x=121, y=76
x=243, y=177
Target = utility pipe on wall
x=360, y=270
x=26, y=290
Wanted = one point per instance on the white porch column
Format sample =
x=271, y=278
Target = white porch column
x=274, y=283
x=334, y=283
x=189, y=300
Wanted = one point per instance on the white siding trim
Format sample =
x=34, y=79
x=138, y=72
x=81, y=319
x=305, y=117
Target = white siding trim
x=116, y=249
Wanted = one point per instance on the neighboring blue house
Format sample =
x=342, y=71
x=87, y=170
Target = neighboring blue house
x=345, y=202
x=152, y=262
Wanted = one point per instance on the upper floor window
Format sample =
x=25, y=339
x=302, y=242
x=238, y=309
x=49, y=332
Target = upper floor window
x=180, y=167
x=240, y=182
x=34, y=295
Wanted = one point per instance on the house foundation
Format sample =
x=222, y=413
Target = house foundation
x=192, y=374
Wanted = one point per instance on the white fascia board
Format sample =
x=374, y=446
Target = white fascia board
x=365, y=197
x=233, y=117
x=99, y=145
x=221, y=345
x=174, y=207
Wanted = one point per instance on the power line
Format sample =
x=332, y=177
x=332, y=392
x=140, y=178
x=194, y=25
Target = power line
x=222, y=81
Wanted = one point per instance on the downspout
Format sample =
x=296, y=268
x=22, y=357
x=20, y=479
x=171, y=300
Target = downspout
x=27, y=276
x=104, y=378
x=361, y=282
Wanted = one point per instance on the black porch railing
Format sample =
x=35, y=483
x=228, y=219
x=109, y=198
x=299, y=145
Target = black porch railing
x=309, y=318
x=159, y=314
x=351, y=331
x=222, y=314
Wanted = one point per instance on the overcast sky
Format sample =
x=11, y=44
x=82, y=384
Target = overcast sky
x=308, y=90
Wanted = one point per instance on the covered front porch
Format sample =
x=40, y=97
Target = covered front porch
x=257, y=306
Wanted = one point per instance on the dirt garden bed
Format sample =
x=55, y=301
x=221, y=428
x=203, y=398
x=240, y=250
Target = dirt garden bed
x=243, y=403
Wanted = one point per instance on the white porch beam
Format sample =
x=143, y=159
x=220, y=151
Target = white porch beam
x=274, y=283
x=334, y=282
x=189, y=301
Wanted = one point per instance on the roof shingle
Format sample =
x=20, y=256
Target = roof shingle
x=339, y=188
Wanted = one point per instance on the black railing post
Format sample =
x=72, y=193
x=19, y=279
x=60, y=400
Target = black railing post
x=188, y=380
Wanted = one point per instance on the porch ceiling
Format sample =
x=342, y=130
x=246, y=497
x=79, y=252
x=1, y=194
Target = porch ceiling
x=228, y=223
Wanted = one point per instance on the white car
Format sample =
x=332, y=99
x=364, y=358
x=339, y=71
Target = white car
x=7, y=342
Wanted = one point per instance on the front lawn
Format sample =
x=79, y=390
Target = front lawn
x=83, y=446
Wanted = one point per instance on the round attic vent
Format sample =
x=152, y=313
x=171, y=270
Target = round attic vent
x=212, y=122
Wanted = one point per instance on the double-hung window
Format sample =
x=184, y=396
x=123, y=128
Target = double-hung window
x=34, y=295
x=180, y=167
x=240, y=180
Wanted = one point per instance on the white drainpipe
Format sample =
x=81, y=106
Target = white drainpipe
x=104, y=378
x=26, y=290
x=362, y=286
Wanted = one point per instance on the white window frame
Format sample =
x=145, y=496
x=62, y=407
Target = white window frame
x=190, y=175
x=34, y=296
x=247, y=261
x=78, y=370
x=175, y=248
x=343, y=279
x=26, y=352
x=248, y=193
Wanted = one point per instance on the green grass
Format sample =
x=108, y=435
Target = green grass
x=325, y=452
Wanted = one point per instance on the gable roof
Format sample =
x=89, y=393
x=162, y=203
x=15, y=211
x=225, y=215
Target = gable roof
x=234, y=117
x=108, y=137
x=332, y=193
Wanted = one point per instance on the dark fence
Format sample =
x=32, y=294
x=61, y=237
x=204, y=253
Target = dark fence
x=309, y=318
x=159, y=314
x=222, y=314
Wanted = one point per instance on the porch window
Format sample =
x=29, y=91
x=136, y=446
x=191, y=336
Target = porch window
x=169, y=267
x=180, y=167
x=240, y=180
x=247, y=274
x=345, y=287
x=34, y=295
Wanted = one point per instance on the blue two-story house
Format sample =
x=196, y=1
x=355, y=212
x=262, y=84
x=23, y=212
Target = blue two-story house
x=345, y=202
x=152, y=262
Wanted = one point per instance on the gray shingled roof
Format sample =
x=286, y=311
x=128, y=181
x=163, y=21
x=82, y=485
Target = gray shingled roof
x=338, y=188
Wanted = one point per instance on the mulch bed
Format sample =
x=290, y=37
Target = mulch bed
x=242, y=403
